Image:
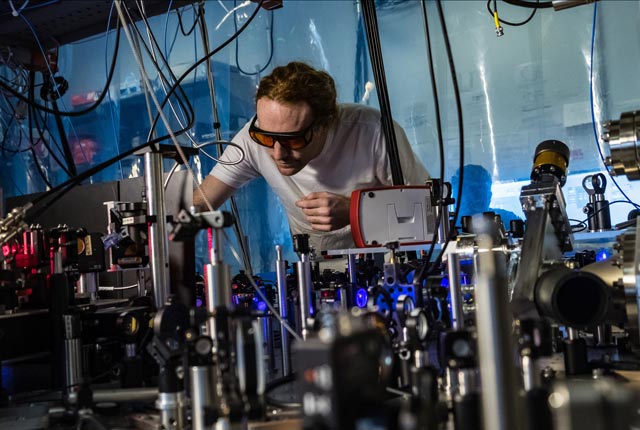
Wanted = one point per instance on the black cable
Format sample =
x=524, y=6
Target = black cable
x=34, y=113
x=103, y=93
x=202, y=60
x=536, y=5
x=456, y=90
x=607, y=207
x=377, y=65
x=193, y=26
x=504, y=21
x=278, y=383
x=436, y=106
x=235, y=28
x=8, y=128
x=64, y=142
x=184, y=105
x=575, y=226
x=65, y=187
x=32, y=78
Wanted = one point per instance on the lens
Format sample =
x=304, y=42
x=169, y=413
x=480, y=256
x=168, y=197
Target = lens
x=293, y=143
x=262, y=139
x=551, y=160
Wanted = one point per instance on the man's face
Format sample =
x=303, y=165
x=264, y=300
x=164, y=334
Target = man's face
x=278, y=117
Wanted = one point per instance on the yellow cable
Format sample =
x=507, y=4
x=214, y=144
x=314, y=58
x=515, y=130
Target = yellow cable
x=496, y=19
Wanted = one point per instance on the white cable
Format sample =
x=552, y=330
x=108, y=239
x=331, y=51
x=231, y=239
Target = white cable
x=257, y=289
x=161, y=79
x=223, y=6
x=145, y=79
x=240, y=6
x=15, y=12
x=128, y=287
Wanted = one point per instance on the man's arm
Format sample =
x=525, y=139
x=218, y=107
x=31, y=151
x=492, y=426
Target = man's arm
x=216, y=193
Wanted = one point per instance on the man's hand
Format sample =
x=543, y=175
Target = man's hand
x=325, y=211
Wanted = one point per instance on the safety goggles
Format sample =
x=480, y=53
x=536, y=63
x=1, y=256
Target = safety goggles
x=291, y=140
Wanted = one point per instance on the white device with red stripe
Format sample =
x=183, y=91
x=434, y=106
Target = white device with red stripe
x=401, y=214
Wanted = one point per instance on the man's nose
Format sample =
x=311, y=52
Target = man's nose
x=280, y=152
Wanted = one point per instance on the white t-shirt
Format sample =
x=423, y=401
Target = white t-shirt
x=354, y=156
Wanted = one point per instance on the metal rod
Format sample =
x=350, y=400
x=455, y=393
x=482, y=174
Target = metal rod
x=457, y=316
x=202, y=395
x=281, y=278
x=353, y=272
x=204, y=35
x=305, y=290
x=158, y=239
x=529, y=373
x=500, y=405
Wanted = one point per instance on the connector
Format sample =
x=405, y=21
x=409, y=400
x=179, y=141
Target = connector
x=496, y=20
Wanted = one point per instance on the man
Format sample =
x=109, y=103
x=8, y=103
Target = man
x=312, y=152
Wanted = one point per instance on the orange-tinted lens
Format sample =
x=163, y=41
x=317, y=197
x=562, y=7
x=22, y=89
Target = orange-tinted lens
x=293, y=142
x=262, y=139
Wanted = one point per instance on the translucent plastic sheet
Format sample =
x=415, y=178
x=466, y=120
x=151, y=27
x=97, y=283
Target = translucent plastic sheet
x=517, y=90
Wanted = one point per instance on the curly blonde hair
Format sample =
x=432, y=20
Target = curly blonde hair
x=298, y=82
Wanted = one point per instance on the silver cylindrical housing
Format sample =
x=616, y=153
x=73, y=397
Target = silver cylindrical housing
x=88, y=285
x=158, y=239
x=500, y=405
x=305, y=290
x=529, y=373
x=281, y=278
x=218, y=286
x=120, y=395
x=171, y=407
x=202, y=395
x=457, y=316
x=56, y=262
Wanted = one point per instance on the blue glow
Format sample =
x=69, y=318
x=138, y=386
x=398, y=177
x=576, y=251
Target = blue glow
x=361, y=298
x=603, y=254
x=261, y=306
x=198, y=303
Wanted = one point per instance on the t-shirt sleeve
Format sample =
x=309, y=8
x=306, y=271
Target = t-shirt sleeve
x=413, y=171
x=238, y=174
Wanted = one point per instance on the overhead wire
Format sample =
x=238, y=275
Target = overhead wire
x=436, y=107
x=592, y=102
x=138, y=58
x=164, y=81
x=237, y=53
x=54, y=85
x=194, y=66
x=196, y=15
x=77, y=113
x=237, y=226
x=116, y=133
x=60, y=190
x=36, y=162
x=377, y=65
x=456, y=91
x=537, y=5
